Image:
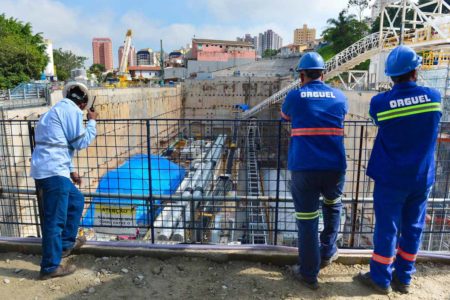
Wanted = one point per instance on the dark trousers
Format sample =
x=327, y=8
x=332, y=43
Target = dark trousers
x=62, y=205
x=306, y=188
x=399, y=221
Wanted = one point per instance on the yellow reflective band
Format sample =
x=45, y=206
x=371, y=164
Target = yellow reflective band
x=412, y=110
x=407, y=108
x=331, y=202
x=307, y=215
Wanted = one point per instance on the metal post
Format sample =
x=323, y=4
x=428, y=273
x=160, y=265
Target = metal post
x=383, y=8
x=358, y=177
x=150, y=191
x=277, y=204
x=402, y=27
x=38, y=195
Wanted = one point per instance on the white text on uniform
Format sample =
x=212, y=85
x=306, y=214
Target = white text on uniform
x=409, y=101
x=317, y=95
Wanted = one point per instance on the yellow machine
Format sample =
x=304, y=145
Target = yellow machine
x=123, y=75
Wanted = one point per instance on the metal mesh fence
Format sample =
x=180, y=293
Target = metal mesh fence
x=201, y=181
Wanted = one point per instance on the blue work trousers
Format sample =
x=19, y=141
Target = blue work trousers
x=399, y=221
x=62, y=205
x=306, y=188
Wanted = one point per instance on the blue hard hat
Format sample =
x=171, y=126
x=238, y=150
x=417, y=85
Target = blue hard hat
x=311, y=61
x=401, y=60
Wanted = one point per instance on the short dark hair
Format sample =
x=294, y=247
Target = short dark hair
x=313, y=74
x=77, y=95
x=404, y=77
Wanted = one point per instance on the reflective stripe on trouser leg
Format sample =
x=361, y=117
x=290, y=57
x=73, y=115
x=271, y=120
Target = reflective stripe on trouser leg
x=388, y=204
x=413, y=222
x=332, y=201
x=307, y=215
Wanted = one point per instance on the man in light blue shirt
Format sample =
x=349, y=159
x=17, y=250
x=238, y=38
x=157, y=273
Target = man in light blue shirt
x=58, y=134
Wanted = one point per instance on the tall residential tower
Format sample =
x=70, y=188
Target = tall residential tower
x=102, y=52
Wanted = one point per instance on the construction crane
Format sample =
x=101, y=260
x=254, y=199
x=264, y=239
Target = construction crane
x=123, y=74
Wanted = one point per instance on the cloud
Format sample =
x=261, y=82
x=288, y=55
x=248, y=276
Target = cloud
x=72, y=26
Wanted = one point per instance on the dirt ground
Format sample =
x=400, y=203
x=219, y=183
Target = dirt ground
x=195, y=278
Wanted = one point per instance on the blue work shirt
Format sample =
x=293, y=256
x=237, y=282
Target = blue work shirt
x=58, y=133
x=317, y=112
x=408, y=122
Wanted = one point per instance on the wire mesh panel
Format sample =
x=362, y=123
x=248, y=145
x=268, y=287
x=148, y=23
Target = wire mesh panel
x=202, y=181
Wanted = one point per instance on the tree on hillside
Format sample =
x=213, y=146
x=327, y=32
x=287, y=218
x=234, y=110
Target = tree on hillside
x=22, y=53
x=65, y=61
x=269, y=53
x=344, y=31
x=360, y=6
x=97, y=70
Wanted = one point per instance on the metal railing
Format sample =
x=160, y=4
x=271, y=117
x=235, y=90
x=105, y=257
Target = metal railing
x=25, y=95
x=180, y=180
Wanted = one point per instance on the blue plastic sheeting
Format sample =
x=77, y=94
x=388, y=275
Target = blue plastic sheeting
x=243, y=107
x=133, y=178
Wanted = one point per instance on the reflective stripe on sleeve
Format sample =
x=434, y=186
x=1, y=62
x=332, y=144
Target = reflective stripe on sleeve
x=317, y=131
x=407, y=111
x=307, y=215
x=382, y=259
x=405, y=255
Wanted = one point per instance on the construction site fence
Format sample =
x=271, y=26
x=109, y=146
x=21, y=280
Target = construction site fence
x=202, y=181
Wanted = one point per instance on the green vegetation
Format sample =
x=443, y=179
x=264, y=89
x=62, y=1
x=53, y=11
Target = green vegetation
x=22, y=53
x=65, y=61
x=360, y=6
x=344, y=31
x=269, y=53
x=97, y=70
x=327, y=52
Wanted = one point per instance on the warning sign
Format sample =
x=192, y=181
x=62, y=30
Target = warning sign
x=108, y=215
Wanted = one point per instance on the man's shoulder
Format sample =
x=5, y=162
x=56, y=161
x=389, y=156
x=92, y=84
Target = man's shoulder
x=66, y=107
x=434, y=93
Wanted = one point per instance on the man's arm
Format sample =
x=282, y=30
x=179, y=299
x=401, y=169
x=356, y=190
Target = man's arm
x=77, y=136
x=286, y=107
x=372, y=112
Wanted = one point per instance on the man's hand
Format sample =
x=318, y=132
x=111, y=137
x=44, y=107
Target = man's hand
x=92, y=115
x=75, y=178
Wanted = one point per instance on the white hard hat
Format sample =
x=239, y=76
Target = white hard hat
x=82, y=86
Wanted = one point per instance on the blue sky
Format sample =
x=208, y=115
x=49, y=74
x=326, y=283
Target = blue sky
x=72, y=24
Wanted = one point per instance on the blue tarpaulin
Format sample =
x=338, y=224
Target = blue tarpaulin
x=133, y=178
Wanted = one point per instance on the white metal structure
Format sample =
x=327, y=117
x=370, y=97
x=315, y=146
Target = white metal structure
x=355, y=79
x=126, y=51
x=422, y=31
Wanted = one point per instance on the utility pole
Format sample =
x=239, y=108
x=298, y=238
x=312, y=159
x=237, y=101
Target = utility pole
x=161, y=63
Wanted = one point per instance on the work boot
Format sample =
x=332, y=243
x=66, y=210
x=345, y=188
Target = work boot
x=399, y=286
x=326, y=262
x=311, y=284
x=79, y=242
x=59, y=272
x=365, y=279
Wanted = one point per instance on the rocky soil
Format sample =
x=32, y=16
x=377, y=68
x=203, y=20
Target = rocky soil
x=195, y=278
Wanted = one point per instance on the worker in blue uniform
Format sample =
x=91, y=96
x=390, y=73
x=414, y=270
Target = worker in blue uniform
x=58, y=134
x=317, y=163
x=402, y=166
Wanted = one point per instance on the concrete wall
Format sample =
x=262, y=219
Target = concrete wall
x=214, y=99
x=358, y=103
